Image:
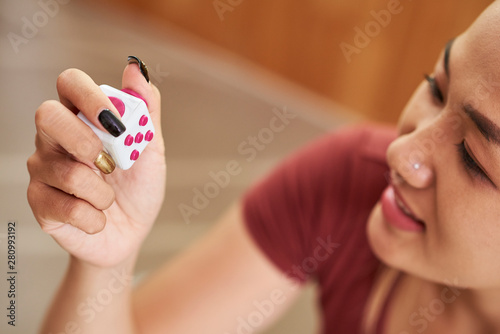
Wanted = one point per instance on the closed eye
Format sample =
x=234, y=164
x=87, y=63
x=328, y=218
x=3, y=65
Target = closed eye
x=470, y=163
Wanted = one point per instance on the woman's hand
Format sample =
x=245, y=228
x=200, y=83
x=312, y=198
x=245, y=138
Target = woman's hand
x=99, y=219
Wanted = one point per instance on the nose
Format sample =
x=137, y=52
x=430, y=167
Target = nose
x=410, y=158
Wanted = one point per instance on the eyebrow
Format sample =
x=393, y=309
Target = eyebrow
x=488, y=129
x=446, y=60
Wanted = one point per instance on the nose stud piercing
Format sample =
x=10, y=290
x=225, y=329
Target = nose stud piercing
x=416, y=166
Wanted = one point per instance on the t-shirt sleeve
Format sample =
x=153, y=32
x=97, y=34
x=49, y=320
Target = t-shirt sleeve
x=282, y=212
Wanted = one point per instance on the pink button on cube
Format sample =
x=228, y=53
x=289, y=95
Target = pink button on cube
x=129, y=140
x=139, y=137
x=144, y=120
x=134, y=155
x=119, y=105
x=149, y=135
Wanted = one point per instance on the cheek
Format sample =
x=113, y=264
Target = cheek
x=465, y=238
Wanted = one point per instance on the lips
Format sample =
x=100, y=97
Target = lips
x=398, y=213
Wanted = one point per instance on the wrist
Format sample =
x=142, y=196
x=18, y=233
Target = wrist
x=86, y=268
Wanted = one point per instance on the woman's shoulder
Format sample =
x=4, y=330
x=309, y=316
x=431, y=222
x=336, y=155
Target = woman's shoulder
x=345, y=145
x=368, y=139
x=350, y=159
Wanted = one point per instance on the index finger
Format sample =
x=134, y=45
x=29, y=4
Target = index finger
x=78, y=92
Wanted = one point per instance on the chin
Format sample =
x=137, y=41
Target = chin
x=391, y=246
x=406, y=252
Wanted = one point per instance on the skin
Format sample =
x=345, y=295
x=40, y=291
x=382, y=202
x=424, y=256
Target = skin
x=102, y=224
x=460, y=243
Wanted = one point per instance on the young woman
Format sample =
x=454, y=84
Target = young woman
x=400, y=230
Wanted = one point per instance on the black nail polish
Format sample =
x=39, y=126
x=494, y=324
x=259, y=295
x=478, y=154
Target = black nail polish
x=142, y=66
x=111, y=123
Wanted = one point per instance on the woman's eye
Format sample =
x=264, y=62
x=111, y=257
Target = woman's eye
x=435, y=91
x=470, y=164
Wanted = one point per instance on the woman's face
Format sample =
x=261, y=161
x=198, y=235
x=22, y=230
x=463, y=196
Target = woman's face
x=445, y=167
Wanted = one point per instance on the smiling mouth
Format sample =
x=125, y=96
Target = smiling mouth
x=398, y=214
x=399, y=201
x=406, y=210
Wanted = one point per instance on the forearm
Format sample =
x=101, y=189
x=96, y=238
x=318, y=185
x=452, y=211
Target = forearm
x=93, y=300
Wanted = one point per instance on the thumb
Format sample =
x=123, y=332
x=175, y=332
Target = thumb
x=135, y=79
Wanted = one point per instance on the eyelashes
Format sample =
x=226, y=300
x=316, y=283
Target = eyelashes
x=469, y=162
x=435, y=91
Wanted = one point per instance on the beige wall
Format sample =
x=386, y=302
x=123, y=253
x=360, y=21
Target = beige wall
x=301, y=41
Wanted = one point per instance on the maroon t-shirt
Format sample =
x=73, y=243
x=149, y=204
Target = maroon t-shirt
x=309, y=217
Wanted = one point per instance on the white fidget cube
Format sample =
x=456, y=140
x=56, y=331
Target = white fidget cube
x=126, y=148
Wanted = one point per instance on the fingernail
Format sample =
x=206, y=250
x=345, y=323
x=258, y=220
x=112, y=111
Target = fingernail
x=142, y=66
x=111, y=123
x=104, y=162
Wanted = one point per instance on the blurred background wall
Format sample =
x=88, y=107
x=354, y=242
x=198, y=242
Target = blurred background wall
x=367, y=55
